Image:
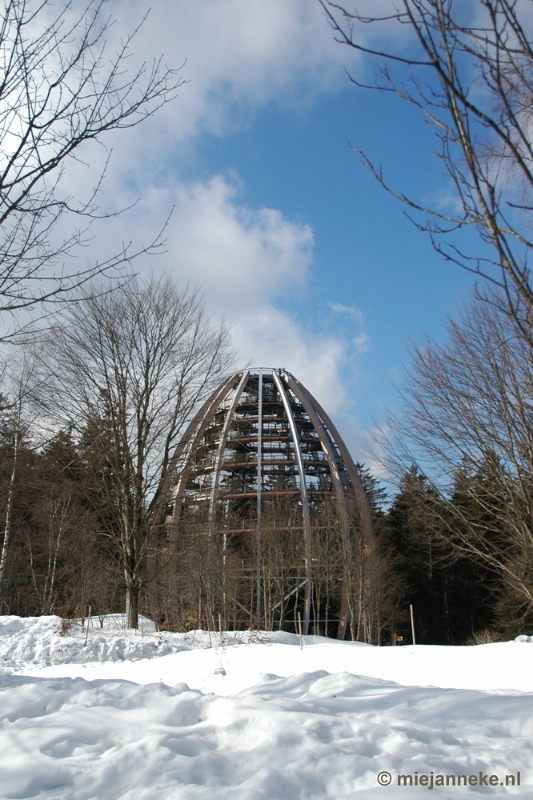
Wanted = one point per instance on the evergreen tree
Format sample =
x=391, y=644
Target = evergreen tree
x=451, y=595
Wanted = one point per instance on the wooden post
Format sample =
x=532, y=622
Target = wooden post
x=412, y=624
x=300, y=631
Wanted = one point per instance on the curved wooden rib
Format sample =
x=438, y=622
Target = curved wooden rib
x=258, y=533
x=360, y=494
x=198, y=424
x=305, y=503
x=222, y=447
x=339, y=491
x=315, y=411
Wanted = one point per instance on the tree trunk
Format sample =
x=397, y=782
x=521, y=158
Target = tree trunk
x=132, y=604
x=9, y=514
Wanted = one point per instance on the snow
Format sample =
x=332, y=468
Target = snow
x=152, y=714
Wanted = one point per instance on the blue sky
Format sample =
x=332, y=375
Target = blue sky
x=291, y=239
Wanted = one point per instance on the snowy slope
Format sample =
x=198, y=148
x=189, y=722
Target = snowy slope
x=254, y=719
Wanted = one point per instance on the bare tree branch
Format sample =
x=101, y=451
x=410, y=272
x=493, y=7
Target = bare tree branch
x=59, y=89
x=467, y=420
x=474, y=84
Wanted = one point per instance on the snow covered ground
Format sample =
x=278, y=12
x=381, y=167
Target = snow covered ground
x=109, y=713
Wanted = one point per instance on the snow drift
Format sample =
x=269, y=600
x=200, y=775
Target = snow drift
x=257, y=718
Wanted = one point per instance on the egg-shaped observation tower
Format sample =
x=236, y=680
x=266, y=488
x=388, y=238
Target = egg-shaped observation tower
x=269, y=511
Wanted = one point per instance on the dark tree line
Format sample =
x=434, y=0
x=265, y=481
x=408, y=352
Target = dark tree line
x=55, y=563
x=91, y=416
x=61, y=559
x=453, y=597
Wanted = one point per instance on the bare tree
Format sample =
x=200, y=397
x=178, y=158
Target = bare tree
x=59, y=89
x=467, y=421
x=125, y=370
x=468, y=67
x=19, y=381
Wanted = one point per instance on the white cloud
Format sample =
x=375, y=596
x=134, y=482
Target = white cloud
x=270, y=337
x=251, y=263
x=352, y=312
x=237, y=55
x=248, y=262
x=240, y=256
